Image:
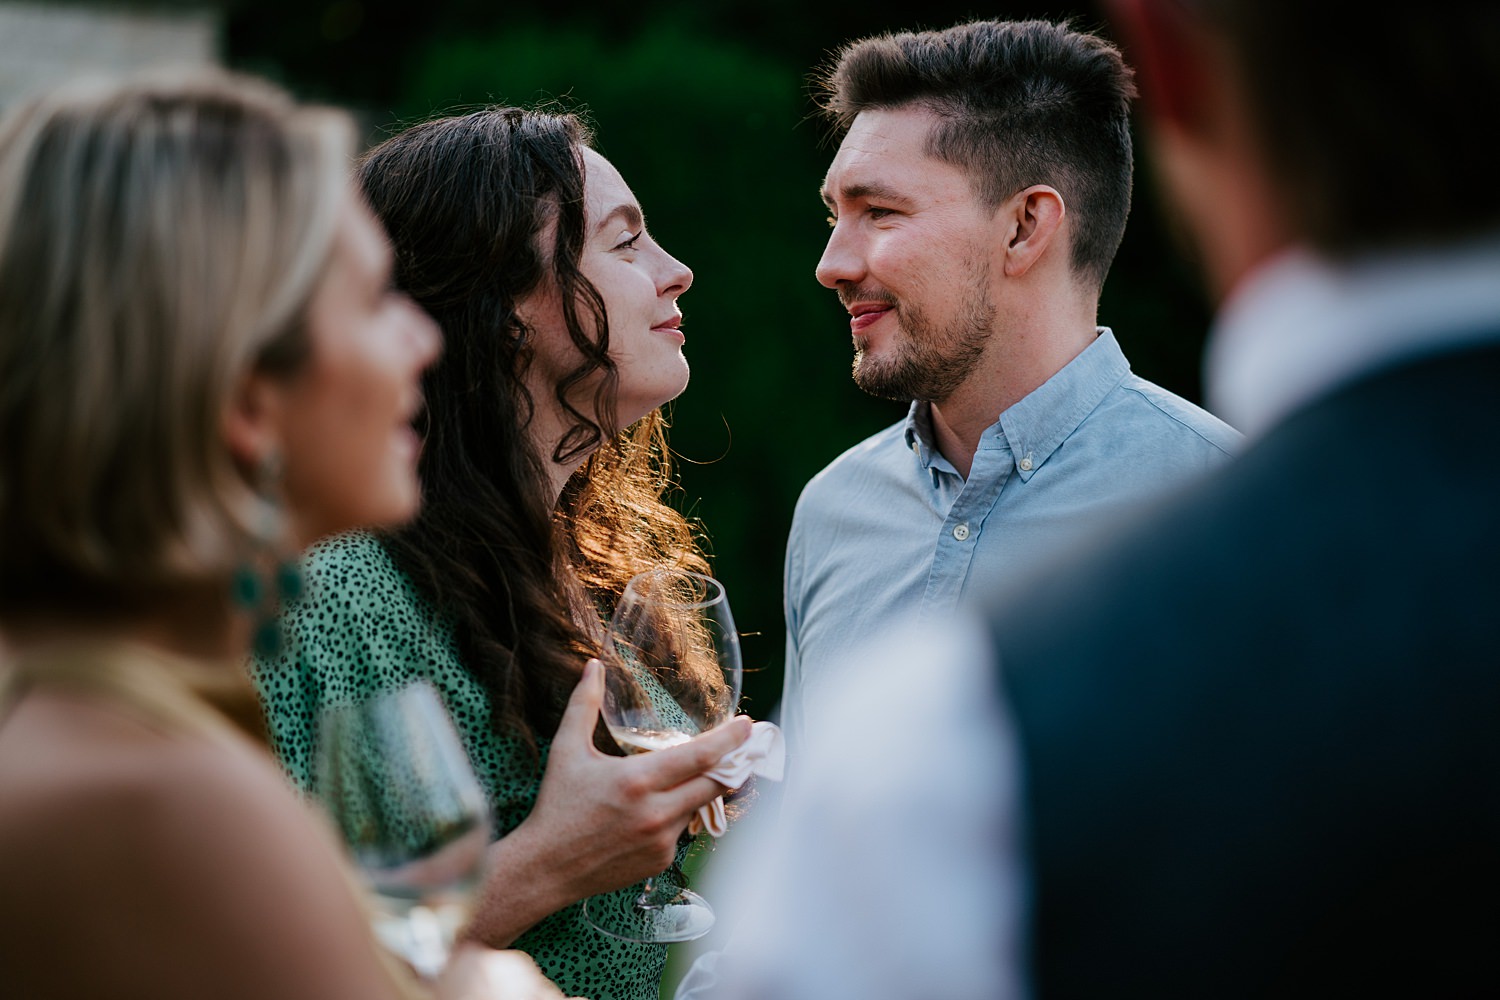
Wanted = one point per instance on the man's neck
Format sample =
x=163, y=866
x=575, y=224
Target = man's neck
x=959, y=421
x=958, y=439
x=1301, y=323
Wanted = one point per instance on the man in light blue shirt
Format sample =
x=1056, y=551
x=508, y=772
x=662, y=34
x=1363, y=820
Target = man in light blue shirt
x=1246, y=747
x=977, y=201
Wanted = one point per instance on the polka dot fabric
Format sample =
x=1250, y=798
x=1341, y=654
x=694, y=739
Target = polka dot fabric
x=361, y=628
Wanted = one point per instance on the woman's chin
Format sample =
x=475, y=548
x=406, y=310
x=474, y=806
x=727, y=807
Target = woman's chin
x=405, y=504
x=647, y=398
x=677, y=383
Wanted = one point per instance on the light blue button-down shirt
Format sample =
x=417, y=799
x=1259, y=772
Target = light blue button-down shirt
x=891, y=529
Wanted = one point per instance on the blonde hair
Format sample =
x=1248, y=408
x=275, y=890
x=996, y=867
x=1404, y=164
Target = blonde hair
x=160, y=237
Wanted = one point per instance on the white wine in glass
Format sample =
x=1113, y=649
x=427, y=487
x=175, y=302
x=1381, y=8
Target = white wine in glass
x=672, y=670
x=393, y=775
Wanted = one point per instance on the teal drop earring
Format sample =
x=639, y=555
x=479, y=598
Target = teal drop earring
x=248, y=586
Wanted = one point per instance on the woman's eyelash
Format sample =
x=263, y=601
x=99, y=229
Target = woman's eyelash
x=630, y=243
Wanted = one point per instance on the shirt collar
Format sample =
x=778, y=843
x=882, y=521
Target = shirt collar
x=1301, y=325
x=918, y=433
x=1036, y=425
x=917, y=429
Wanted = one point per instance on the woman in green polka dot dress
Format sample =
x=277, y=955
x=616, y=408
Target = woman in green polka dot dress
x=543, y=465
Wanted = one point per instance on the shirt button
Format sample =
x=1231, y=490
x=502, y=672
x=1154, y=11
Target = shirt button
x=1025, y=464
x=961, y=531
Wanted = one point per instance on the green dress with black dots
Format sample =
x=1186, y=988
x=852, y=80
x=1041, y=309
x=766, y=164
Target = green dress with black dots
x=361, y=628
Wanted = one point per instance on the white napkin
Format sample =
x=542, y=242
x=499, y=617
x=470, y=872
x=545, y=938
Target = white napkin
x=763, y=754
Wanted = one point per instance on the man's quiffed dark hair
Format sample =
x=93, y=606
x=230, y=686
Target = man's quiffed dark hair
x=1019, y=103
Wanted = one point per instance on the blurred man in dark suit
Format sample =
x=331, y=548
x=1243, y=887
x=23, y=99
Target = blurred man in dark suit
x=1250, y=747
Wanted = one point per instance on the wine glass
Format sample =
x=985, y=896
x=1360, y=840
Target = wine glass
x=672, y=670
x=393, y=774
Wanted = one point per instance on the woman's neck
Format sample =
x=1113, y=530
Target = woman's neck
x=546, y=429
x=558, y=474
x=545, y=435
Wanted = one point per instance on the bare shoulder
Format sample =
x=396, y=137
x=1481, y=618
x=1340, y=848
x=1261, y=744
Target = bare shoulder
x=144, y=863
x=69, y=762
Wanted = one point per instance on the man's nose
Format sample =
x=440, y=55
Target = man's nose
x=841, y=261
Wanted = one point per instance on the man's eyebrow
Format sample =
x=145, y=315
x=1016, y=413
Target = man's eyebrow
x=625, y=212
x=856, y=192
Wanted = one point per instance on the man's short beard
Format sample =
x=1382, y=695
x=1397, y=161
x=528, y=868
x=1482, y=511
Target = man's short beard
x=928, y=364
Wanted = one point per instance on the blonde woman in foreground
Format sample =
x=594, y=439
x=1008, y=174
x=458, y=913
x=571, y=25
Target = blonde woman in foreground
x=203, y=368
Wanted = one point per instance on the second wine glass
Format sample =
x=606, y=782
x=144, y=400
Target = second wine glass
x=393, y=774
x=672, y=670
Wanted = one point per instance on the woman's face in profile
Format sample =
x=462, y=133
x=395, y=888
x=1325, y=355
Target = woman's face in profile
x=639, y=283
x=349, y=449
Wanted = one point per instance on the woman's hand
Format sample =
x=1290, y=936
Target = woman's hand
x=475, y=973
x=599, y=823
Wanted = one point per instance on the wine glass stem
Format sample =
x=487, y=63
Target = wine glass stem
x=657, y=895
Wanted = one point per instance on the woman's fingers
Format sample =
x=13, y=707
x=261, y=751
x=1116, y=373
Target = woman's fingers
x=476, y=973
x=675, y=765
x=582, y=713
x=696, y=792
x=661, y=769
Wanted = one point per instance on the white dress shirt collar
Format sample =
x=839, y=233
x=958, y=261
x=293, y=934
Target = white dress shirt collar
x=1301, y=326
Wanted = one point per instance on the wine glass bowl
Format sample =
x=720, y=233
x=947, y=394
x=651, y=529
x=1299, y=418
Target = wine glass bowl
x=672, y=670
x=672, y=660
x=393, y=775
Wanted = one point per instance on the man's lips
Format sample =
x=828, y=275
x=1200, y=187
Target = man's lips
x=863, y=315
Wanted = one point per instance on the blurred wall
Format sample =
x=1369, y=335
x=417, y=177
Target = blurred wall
x=42, y=44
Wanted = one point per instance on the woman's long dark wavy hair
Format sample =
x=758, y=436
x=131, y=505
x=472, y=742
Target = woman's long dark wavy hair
x=468, y=202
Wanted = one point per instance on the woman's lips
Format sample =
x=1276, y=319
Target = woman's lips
x=672, y=330
x=408, y=443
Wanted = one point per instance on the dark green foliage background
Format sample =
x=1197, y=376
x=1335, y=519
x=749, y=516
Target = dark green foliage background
x=704, y=108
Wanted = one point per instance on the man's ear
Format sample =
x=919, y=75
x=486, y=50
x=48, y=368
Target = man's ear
x=1168, y=50
x=253, y=420
x=1034, y=218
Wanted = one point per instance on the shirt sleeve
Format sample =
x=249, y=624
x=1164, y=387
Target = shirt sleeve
x=894, y=869
x=789, y=713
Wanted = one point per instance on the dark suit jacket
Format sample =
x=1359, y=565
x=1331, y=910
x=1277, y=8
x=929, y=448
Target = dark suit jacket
x=1261, y=731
